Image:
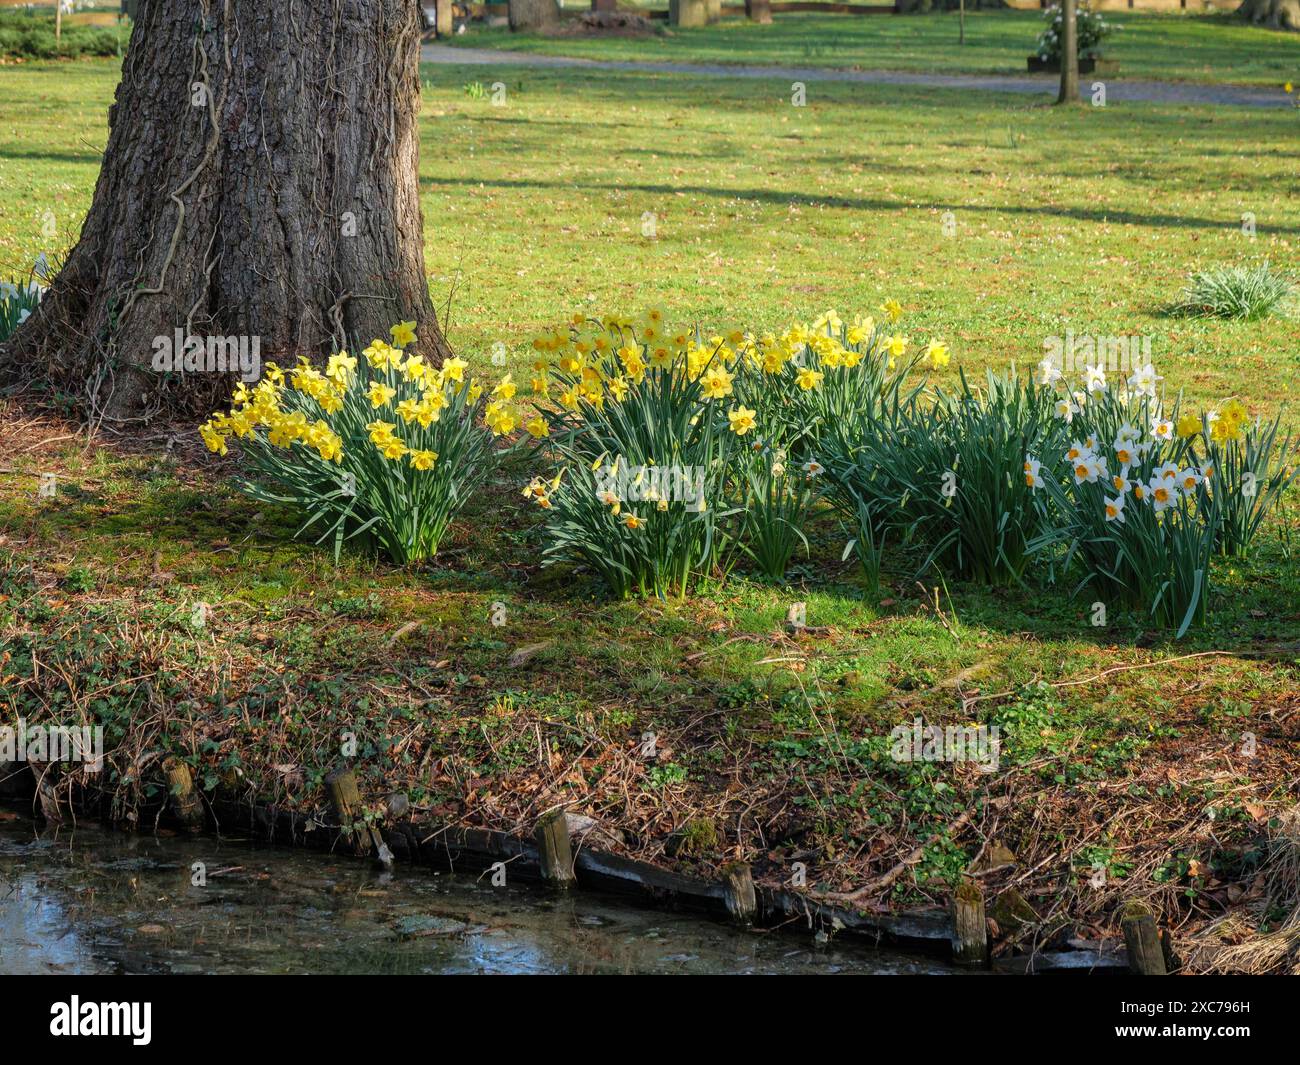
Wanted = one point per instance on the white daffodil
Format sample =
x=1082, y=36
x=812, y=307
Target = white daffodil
x=1167, y=472
x=1162, y=428
x=1048, y=373
x=1143, y=381
x=1033, y=476
x=1126, y=452
x=1120, y=482
x=1115, y=509
x=1188, y=479
x=1079, y=449
x=1066, y=410
x=1095, y=378
x=1089, y=469
x=813, y=468
x=1164, y=494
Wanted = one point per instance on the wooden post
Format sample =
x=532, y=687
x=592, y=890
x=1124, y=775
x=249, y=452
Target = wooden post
x=1146, y=956
x=553, y=848
x=348, y=807
x=185, y=801
x=713, y=11
x=738, y=892
x=604, y=5
x=759, y=11
x=47, y=798
x=970, y=936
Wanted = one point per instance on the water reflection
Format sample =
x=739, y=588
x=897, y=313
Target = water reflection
x=88, y=900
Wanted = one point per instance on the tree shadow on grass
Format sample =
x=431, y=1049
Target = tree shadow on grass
x=782, y=198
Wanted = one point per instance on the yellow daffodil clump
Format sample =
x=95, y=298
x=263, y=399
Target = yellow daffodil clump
x=317, y=435
x=653, y=426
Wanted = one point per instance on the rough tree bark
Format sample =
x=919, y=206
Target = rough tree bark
x=1276, y=14
x=534, y=14
x=260, y=180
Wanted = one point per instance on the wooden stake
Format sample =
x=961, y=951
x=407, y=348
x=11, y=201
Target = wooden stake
x=185, y=801
x=47, y=797
x=348, y=807
x=553, y=849
x=1146, y=956
x=738, y=892
x=970, y=936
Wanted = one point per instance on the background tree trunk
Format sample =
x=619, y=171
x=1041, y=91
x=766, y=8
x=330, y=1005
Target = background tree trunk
x=688, y=14
x=1069, y=93
x=1276, y=14
x=260, y=180
x=534, y=14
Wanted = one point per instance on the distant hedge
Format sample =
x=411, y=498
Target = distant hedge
x=32, y=37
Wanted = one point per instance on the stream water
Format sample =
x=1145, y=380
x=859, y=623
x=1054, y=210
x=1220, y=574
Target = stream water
x=92, y=900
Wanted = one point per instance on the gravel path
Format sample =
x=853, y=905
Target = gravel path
x=1117, y=91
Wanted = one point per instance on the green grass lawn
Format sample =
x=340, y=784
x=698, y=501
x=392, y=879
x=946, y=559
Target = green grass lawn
x=1214, y=48
x=1086, y=220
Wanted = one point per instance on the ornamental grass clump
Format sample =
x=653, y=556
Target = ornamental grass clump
x=381, y=450
x=1243, y=293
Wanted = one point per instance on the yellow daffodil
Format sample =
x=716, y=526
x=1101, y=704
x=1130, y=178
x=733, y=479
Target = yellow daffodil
x=1188, y=425
x=716, y=384
x=379, y=394
x=937, y=354
x=808, y=378
x=340, y=367
x=741, y=419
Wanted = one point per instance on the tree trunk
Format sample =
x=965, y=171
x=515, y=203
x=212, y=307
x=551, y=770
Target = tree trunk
x=759, y=11
x=260, y=182
x=1275, y=14
x=688, y=14
x=1069, y=93
x=534, y=14
x=443, y=21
